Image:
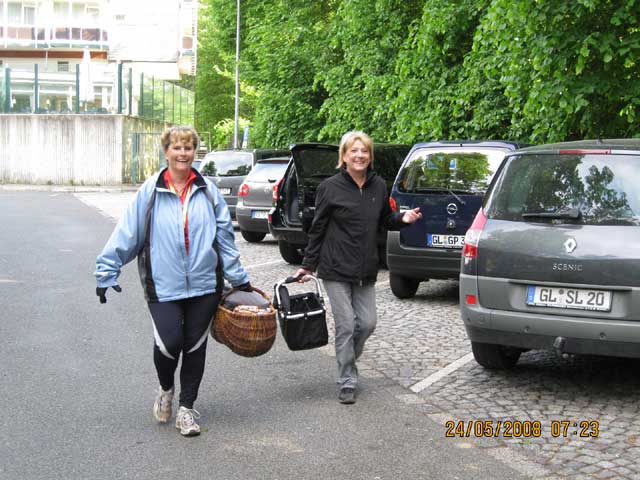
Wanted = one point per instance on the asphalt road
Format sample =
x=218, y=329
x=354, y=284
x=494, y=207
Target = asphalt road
x=78, y=383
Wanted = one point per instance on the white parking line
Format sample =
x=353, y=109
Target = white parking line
x=264, y=264
x=431, y=379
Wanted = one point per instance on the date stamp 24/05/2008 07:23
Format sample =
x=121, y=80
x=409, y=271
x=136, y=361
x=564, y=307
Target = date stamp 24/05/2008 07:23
x=522, y=428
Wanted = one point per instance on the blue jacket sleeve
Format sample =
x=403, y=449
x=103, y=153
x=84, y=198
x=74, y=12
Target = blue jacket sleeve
x=126, y=239
x=225, y=238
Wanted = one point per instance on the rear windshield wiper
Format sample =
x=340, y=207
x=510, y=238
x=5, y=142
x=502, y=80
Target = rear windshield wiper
x=440, y=190
x=570, y=213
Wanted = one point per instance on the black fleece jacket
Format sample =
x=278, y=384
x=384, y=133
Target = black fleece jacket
x=343, y=236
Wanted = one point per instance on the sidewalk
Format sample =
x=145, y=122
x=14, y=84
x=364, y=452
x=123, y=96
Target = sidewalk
x=68, y=188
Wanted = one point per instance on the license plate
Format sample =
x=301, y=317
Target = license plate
x=562, y=297
x=259, y=214
x=445, y=241
x=225, y=191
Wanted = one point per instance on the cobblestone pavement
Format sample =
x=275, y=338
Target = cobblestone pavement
x=417, y=338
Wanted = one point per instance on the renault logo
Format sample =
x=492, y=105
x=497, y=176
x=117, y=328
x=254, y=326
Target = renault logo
x=452, y=209
x=570, y=245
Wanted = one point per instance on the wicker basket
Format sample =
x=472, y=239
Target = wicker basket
x=247, y=334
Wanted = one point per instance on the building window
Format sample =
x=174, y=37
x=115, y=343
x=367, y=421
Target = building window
x=29, y=15
x=61, y=11
x=15, y=13
x=63, y=66
x=93, y=14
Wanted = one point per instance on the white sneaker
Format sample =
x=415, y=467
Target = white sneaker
x=186, y=422
x=163, y=406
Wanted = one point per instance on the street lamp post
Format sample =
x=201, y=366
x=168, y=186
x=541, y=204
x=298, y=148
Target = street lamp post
x=237, y=101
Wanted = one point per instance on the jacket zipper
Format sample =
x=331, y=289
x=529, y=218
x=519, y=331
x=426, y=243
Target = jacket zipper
x=185, y=256
x=364, y=257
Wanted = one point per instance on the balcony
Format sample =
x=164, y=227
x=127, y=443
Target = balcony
x=54, y=36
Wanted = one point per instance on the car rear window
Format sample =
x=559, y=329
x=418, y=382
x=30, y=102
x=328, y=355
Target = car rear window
x=227, y=164
x=316, y=163
x=450, y=169
x=590, y=189
x=267, y=171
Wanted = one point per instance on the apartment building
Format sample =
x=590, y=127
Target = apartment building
x=58, y=54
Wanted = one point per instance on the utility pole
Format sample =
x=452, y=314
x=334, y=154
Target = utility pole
x=237, y=103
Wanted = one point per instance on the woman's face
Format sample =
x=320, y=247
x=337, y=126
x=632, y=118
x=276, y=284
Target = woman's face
x=180, y=155
x=357, y=158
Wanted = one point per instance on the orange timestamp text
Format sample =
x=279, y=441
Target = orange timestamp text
x=522, y=428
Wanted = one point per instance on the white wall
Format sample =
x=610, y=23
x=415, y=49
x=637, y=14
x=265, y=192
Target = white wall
x=61, y=149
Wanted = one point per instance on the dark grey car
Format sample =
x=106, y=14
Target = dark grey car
x=552, y=260
x=255, y=197
x=228, y=169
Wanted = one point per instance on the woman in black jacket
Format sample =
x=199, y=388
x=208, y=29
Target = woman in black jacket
x=350, y=208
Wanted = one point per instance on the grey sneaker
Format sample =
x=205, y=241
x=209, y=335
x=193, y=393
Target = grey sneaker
x=186, y=422
x=347, y=395
x=163, y=406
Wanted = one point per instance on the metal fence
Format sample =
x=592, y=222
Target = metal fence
x=114, y=90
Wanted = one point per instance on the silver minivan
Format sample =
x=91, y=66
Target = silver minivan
x=552, y=259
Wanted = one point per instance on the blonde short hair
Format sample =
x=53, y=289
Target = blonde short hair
x=348, y=139
x=183, y=133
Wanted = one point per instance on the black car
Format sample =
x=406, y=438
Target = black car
x=294, y=208
x=228, y=169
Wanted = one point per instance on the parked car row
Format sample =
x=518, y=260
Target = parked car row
x=542, y=238
x=229, y=168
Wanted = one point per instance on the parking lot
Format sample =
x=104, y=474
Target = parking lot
x=537, y=411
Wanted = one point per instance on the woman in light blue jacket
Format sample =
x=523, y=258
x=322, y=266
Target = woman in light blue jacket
x=179, y=228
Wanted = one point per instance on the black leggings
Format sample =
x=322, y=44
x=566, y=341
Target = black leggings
x=182, y=326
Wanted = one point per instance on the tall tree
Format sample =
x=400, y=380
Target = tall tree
x=357, y=73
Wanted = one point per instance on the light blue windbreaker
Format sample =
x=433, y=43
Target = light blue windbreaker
x=166, y=271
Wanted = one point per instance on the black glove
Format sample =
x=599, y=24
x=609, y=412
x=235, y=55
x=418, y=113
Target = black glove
x=102, y=292
x=245, y=287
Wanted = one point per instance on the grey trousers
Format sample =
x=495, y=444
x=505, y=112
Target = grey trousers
x=354, y=313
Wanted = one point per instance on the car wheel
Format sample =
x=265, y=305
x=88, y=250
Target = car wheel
x=495, y=357
x=252, y=237
x=289, y=252
x=403, y=287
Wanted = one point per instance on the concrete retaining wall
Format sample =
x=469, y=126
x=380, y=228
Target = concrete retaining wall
x=78, y=149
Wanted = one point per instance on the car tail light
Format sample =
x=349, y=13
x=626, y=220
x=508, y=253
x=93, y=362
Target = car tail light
x=392, y=204
x=472, y=236
x=243, y=191
x=470, y=299
x=276, y=188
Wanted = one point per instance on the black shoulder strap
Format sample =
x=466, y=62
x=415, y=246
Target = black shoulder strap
x=219, y=275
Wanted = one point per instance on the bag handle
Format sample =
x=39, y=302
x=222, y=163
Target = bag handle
x=295, y=280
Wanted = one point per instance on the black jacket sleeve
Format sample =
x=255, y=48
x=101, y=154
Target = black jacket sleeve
x=318, y=229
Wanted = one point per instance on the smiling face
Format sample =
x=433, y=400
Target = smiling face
x=180, y=154
x=357, y=158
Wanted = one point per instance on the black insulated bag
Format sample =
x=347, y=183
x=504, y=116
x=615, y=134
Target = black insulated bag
x=302, y=317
